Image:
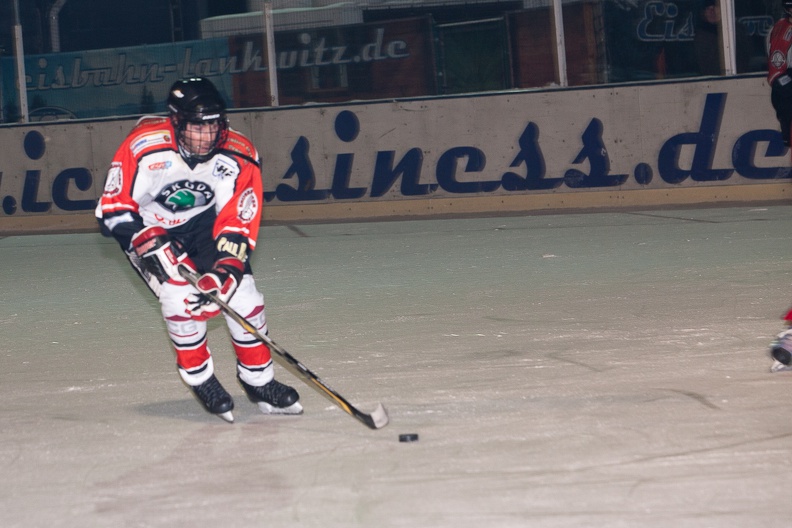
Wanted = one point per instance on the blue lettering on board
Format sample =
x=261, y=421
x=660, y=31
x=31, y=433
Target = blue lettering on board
x=306, y=179
x=30, y=203
x=34, y=147
x=530, y=155
x=460, y=170
x=447, y=171
x=82, y=179
x=408, y=168
x=744, y=155
x=704, y=142
x=347, y=128
x=599, y=163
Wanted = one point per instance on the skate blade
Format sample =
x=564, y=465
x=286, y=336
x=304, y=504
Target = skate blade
x=227, y=416
x=780, y=367
x=266, y=408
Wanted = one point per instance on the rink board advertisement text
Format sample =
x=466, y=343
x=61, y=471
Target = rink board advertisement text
x=133, y=80
x=627, y=138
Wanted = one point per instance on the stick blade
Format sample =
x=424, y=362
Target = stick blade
x=378, y=418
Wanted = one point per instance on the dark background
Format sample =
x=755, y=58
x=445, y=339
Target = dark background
x=98, y=24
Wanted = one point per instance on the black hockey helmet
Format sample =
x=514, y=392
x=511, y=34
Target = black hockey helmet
x=787, y=6
x=196, y=100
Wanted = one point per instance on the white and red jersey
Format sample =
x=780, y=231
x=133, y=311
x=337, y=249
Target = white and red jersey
x=779, y=49
x=149, y=183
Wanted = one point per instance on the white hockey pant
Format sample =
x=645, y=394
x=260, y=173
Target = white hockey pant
x=193, y=358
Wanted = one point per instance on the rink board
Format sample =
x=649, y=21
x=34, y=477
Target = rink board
x=636, y=145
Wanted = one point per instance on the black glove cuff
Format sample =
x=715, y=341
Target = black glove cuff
x=232, y=267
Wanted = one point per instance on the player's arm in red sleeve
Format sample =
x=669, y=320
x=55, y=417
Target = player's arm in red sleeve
x=117, y=211
x=237, y=226
x=778, y=76
x=778, y=43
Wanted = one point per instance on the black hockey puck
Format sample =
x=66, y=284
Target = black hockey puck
x=412, y=437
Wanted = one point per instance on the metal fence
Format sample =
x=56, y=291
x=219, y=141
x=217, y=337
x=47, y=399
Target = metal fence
x=75, y=65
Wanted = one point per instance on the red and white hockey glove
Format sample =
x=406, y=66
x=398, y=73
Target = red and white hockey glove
x=221, y=282
x=158, y=255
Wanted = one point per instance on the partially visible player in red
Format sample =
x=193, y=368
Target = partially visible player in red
x=186, y=191
x=779, y=77
x=779, y=62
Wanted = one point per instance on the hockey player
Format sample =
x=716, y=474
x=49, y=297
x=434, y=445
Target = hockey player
x=185, y=191
x=781, y=347
x=779, y=62
x=779, y=77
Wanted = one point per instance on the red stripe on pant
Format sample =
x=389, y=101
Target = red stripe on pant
x=191, y=358
x=253, y=356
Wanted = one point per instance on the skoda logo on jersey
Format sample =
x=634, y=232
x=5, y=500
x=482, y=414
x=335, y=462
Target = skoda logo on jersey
x=184, y=195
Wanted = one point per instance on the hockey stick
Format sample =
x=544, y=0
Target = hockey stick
x=376, y=420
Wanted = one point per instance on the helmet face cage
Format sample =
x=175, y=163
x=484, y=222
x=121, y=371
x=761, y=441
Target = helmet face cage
x=196, y=101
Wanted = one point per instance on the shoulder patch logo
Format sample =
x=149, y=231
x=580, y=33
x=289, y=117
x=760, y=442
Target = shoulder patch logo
x=247, y=206
x=778, y=59
x=184, y=195
x=224, y=169
x=160, y=137
x=115, y=180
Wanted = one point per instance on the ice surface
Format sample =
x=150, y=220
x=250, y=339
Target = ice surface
x=577, y=370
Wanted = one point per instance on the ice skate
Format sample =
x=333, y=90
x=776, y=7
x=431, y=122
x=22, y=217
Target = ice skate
x=215, y=399
x=780, y=352
x=274, y=397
